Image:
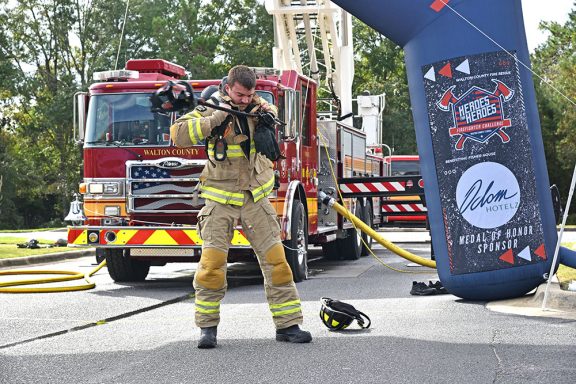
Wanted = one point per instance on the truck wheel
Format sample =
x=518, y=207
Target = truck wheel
x=331, y=250
x=352, y=244
x=368, y=219
x=100, y=255
x=348, y=248
x=123, y=269
x=297, y=247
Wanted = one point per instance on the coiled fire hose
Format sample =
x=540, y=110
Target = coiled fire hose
x=12, y=286
x=330, y=202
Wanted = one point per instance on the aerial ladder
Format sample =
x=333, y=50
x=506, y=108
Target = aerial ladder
x=314, y=37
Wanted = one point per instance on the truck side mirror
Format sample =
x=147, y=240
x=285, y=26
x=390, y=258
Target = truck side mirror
x=80, y=105
x=290, y=114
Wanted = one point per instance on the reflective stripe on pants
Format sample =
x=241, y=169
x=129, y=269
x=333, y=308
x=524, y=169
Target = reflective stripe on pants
x=261, y=228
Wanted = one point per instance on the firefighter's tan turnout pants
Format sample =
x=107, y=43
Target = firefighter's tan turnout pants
x=216, y=224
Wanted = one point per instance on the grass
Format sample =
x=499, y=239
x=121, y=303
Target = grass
x=566, y=274
x=8, y=248
x=28, y=230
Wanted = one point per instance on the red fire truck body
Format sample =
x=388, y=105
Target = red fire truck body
x=399, y=210
x=138, y=190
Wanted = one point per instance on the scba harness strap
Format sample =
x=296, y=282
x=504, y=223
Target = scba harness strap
x=337, y=315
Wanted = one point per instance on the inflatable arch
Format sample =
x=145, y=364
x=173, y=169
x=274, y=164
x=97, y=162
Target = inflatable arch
x=479, y=140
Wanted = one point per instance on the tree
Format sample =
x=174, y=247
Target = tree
x=555, y=62
x=379, y=68
x=49, y=50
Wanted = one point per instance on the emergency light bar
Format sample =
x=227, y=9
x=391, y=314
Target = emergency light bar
x=266, y=71
x=118, y=75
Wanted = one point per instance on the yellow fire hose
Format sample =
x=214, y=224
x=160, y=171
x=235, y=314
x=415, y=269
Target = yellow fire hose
x=373, y=234
x=13, y=286
x=8, y=287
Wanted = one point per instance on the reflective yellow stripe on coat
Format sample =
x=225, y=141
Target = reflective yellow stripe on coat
x=222, y=196
x=263, y=191
x=234, y=150
x=194, y=129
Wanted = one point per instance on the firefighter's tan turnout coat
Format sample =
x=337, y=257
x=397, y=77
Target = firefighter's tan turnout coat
x=235, y=191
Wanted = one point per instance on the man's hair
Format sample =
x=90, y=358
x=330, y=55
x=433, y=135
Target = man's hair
x=243, y=75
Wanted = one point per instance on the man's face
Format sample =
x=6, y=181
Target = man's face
x=240, y=96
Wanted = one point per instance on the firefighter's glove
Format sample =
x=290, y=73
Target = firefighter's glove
x=268, y=119
x=265, y=137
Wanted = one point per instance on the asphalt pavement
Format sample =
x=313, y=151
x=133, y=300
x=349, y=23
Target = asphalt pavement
x=145, y=333
x=559, y=303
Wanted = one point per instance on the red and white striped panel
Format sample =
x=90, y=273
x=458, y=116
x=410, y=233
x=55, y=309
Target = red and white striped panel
x=404, y=208
x=394, y=186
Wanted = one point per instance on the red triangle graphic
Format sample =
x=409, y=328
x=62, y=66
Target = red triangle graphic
x=446, y=71
x=541, y=252
x=508, y=257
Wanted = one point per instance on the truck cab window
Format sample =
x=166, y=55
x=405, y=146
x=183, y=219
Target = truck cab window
x=125, y=119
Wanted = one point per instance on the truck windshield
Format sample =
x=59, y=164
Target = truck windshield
x=405, y=168
x=125, y=119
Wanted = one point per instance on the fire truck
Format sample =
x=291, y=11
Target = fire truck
x=139, y=206
x=403, y=210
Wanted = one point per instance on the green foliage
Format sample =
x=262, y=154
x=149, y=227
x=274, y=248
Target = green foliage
x=379, y=68
x=49, y=50
x=555, y=63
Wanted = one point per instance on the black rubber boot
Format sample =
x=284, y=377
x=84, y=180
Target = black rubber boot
x=293, y=334
x=207, y=338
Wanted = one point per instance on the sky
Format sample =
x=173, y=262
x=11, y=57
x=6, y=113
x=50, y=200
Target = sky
x=535, y=11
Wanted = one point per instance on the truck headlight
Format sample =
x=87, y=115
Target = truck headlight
x=112, y=210
x=103, y=188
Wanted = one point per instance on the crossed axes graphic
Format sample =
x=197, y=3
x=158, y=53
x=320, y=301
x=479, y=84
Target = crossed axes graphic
x=502, y=91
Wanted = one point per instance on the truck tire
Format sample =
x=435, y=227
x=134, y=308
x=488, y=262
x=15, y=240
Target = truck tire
x=368, y=219
x=100, y=255
x=297, y=247
x=124, y=269
x=348, y=248
x=351, y=245
x=331, y=250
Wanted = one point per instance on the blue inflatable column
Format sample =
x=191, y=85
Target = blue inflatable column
x=479, y=140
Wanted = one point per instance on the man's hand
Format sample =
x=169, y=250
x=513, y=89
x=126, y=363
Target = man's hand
x=265, y=107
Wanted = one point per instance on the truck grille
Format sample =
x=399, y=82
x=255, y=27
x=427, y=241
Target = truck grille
x=163, y=185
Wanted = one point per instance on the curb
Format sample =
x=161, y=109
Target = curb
x=560, y=303
x=48, y=258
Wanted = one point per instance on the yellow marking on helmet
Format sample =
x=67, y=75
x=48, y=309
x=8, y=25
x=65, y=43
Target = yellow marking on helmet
x=334, y=322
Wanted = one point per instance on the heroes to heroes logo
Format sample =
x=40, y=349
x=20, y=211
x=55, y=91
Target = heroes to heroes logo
x=478, y=114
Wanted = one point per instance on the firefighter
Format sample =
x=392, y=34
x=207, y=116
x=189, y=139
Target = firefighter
x=235, y=184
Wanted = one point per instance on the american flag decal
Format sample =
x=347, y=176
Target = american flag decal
x=154, y=188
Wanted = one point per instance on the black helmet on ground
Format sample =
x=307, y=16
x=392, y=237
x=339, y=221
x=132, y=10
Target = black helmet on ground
x=337, y=315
